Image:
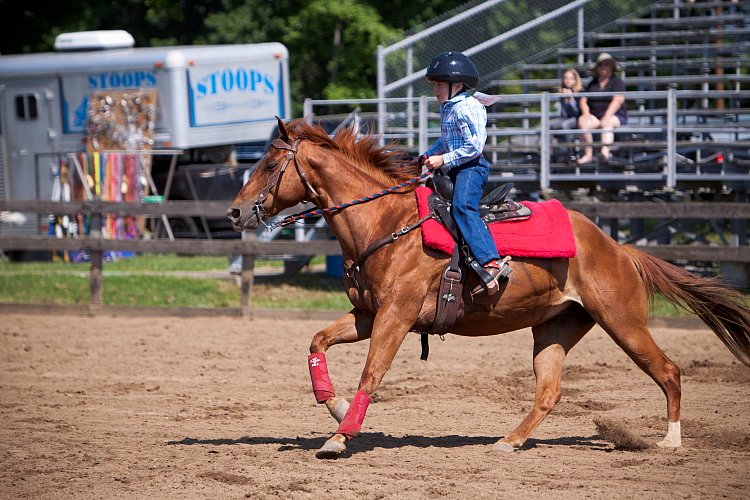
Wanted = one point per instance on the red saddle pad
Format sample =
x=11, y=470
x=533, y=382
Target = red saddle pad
x=547, y=233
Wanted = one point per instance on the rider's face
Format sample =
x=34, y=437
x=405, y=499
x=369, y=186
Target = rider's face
x=442, y=90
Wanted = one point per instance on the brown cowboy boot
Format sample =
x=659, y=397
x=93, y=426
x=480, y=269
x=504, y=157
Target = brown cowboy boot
x=497, y=269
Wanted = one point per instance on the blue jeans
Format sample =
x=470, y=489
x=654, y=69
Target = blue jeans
x=469, y=180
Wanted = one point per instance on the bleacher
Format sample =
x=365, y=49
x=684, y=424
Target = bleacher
x=699, y=50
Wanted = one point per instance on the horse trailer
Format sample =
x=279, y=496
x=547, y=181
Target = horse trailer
x=209, y=99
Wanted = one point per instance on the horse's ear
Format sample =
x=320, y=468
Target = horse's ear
x=283, y=132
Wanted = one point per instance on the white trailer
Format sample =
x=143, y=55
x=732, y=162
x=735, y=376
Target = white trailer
x=208, y=97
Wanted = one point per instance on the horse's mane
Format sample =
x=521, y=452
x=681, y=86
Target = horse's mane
x=364, y=150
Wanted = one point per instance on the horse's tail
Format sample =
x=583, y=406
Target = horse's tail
x=722, y=308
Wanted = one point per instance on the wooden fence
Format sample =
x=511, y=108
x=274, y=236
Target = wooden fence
x=251, y=249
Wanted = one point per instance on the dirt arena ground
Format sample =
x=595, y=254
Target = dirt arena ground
x=109, y=407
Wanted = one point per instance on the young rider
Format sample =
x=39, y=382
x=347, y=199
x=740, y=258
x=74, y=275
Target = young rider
x=458, y=151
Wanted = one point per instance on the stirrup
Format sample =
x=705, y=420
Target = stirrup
x=492, y=276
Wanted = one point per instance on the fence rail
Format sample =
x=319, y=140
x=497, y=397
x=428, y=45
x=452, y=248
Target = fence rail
x=625, y=210
x=251, y=248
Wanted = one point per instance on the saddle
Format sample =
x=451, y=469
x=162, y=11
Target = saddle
x=492, y=208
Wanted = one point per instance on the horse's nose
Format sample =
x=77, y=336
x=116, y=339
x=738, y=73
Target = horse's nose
x=234, y=214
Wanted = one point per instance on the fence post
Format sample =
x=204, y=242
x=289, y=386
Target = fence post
x=423, y=138
x=671, y=138
x=544, y=150
x=381, y=92
x=96, y=277
x=95, y=274
x=580, y=30
x=246, y=283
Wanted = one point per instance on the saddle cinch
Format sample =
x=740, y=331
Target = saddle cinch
x=492, y=208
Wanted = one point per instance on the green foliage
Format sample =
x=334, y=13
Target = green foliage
x=248, y=21
x=332, y=43
x=335, y=43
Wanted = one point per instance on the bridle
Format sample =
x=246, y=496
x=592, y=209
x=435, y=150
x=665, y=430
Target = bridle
x=275, y=178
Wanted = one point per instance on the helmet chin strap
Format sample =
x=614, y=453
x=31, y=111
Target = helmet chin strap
x=452, y=95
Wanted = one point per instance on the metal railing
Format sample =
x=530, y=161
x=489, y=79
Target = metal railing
x=497, y=35
x=521, y=122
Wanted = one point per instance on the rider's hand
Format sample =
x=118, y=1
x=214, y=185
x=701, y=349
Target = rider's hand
x=434, y=162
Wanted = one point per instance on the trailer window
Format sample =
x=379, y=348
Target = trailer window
x=26, y=106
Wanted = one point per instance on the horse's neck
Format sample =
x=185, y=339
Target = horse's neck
x=362, y=224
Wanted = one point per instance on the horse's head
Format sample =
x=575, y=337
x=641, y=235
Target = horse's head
x=268, y=191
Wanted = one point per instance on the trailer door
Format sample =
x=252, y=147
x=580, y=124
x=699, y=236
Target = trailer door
x=29, y=132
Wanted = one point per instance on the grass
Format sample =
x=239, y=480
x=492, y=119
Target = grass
x=146, y=262
x=138, y=285
x=119, y=290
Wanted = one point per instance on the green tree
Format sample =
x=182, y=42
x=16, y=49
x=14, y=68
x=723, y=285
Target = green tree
x=250, y=21
x=408, y=14
x=32, y=25
x=335, y=43
x=332, y=43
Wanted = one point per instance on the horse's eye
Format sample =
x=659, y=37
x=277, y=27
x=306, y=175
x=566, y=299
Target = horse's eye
x=271, y=165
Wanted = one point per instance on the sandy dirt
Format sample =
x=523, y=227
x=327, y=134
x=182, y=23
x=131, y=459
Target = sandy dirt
x=108, y=407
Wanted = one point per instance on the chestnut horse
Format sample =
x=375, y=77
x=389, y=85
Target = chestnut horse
x=394, y=291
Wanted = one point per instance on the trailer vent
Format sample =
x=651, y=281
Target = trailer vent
x=94, y=40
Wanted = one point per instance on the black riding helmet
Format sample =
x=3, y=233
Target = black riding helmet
x=453, y=67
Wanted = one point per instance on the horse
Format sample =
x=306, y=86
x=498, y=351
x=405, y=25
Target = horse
x=393, y=289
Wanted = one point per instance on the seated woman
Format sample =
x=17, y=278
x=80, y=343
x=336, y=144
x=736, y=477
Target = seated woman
x=606, y=113
x=569, y=108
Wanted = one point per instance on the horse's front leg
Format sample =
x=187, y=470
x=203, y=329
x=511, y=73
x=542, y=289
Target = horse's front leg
x=388, y=333
x=352, y=327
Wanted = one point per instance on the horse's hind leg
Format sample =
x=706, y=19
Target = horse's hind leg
x=635, y=339
x=552, y=341
x=352, y=327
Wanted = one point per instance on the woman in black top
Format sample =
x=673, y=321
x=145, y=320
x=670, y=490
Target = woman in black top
x=606, y=113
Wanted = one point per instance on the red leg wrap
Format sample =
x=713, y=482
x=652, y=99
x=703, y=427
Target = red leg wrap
x=321, y=382
x=355, y=416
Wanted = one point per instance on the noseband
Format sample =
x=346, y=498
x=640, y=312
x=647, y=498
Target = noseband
x=275, y=178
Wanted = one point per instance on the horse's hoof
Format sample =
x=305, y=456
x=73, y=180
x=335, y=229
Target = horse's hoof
x=501, y=446
x=331, y=449
x=668, y=444
x=673, y=439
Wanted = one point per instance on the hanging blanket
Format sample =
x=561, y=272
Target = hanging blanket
x=546, y=234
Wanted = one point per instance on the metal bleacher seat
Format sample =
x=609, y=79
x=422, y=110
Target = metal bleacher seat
x=690, y=7
x=686, y=46
x=697, y=64
x=635, y=82
x=699, y=21
x=664, y=50
x=672, y=35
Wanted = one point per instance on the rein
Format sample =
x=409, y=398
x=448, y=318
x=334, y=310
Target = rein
x=314, y=212
x=276, y=177
x=354, y=266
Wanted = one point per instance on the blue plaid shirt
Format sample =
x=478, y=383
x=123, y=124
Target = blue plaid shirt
x=463, y=122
